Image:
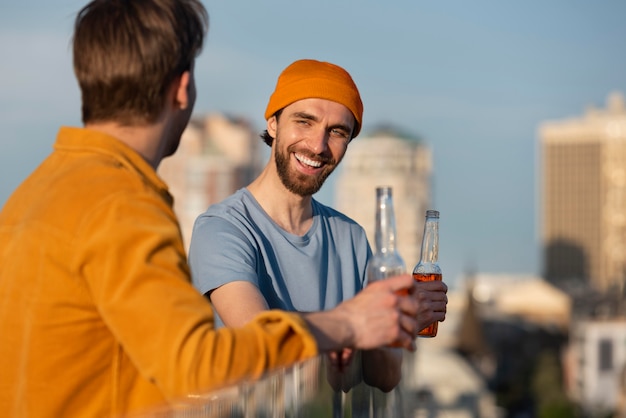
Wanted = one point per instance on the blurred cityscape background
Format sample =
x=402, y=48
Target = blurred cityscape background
x=508, y=118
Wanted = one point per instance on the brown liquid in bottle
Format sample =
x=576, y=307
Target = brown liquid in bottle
x=431, y=330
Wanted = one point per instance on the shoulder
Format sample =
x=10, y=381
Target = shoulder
x=336, y=220
x=233, y=207
x=333, y=214
x=229, y=220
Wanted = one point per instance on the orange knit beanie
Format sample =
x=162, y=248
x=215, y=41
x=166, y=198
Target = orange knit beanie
x=306, y=79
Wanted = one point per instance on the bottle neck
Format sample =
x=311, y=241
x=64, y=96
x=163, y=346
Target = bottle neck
x=430, y=241
x=385, y=236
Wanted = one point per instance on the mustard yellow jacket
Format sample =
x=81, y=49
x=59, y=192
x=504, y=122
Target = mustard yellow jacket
x=97, y=313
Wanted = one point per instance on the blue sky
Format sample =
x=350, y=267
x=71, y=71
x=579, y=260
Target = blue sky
x=474, y=79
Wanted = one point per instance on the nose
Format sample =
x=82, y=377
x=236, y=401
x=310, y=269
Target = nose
x=317, y=141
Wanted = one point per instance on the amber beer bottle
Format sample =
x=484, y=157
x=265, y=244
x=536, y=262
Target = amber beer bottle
x=386, y=261
x=428, y=269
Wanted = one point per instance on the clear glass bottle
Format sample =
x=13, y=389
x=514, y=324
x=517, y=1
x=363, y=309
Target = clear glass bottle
x=428, y=268
x=386, y=261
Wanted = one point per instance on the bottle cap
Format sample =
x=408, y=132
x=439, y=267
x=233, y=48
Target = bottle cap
x=432, y=213
x=383, y=191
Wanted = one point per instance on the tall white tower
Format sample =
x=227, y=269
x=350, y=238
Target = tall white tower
x=386, y=157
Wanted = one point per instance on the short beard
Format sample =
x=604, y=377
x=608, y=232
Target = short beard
x=299, y=183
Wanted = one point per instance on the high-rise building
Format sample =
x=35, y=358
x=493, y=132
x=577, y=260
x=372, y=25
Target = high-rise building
x=217, y=155
x=386, y=157
x=583, y=197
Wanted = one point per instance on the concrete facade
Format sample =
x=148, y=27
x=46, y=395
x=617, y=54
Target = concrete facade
x=597, y=365
x=583, y=196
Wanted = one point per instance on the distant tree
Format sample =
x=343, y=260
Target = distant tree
x=547, y=387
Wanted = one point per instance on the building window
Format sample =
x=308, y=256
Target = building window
x=605, y=352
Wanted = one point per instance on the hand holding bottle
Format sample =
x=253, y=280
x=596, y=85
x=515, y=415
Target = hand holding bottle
x=418, y=304
x=428, y=270
x=432, y=301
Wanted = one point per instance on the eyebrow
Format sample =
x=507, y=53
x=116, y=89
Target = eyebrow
x=304, y=115
x=308, y=116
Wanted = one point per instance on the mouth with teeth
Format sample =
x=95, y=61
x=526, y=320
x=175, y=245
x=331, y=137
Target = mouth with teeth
x=308, y=162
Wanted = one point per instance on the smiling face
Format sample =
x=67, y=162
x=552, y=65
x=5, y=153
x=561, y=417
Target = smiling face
x=311, y=137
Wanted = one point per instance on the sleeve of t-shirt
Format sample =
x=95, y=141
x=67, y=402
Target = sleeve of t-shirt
x=221, y=253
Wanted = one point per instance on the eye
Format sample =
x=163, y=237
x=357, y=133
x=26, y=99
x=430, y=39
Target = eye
x=339, y=134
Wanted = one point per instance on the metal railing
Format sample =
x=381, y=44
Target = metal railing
x=309, y=389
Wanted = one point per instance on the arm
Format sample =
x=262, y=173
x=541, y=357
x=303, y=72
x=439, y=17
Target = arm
x=238, y=302
x=133, y=261
x=377, y=316
x=382, y=367
x=223, y=262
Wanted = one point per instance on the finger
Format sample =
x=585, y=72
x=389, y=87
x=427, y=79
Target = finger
x=440, y=307
x=409, y=326
x=396, y=283
x=408, y=305
x=434, y=286
x=406, y=340
x=333, y=357
x=438, y=297
x=427, y=298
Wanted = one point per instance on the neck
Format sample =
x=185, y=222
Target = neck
x=148, y=140
x=292, y=212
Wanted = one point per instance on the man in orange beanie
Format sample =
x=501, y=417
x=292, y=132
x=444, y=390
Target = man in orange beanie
x=271, y=245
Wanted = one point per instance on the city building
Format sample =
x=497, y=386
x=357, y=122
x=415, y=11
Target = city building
x=596, y=366
x=583, y=197
x=583, y=230
x=217, y=156
x=387, y=157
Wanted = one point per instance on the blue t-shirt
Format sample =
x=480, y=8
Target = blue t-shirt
x=236, y=240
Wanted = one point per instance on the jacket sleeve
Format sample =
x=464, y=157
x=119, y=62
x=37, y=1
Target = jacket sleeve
x=132, y=257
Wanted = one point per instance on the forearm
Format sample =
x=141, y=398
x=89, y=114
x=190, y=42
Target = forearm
x=376, y=317
x=331, y=330
x=382, y=368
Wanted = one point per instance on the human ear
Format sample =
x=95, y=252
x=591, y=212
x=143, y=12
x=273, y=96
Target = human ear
x=182, y=90
x=271, y=126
